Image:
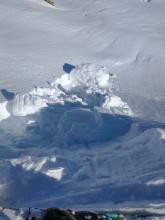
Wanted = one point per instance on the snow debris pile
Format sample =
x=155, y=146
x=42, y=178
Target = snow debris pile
x=88, y=84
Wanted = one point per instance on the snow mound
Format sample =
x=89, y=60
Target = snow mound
x=88, y=84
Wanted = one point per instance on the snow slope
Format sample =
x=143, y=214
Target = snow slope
x=82, y=103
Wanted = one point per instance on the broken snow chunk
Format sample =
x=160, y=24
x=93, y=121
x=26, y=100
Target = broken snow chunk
x=114, y=104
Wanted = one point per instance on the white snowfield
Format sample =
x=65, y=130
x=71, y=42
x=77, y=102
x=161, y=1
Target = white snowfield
x=82, y=104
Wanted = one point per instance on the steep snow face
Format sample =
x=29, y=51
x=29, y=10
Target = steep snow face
x=89, y=84
x=4, y=114
x=27, y=104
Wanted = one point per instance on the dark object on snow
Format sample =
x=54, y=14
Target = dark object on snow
x=50, y=2
x=56, y=214
x=85, y=215
x=68, y=67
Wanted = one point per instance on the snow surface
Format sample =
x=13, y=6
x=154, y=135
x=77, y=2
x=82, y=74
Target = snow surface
x=82, y=112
